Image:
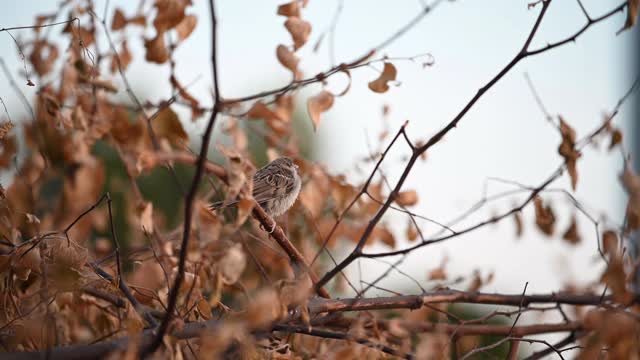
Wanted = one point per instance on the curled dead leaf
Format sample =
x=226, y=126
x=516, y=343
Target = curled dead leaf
x=43, y=56
x=318, y=104
x=381, y=84
x=289, y=9
x=568, y=151
x=167, y=125
x=299, y=30
x=288, y=59
x=186, y=26
x=632, y=15
x=571, y=235
x=260, y=111
x=119, y=21
x=616, y=138
x=545, y=218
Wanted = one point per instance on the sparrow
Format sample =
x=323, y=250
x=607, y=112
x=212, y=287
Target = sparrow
x=275, y=187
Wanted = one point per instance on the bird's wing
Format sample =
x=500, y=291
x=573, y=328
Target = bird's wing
x=269, y=183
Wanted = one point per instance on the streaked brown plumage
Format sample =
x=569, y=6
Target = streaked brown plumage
x=275, y=187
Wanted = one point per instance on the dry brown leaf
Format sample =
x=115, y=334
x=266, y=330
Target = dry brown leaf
x=25, y=260
x=412, y=233
x=167, y=125
x=140, y=20
x=383, y=234
x=632, y=15
x=438, y=273
x=631, y=182
x=381, y=84
x=610, y=242
x=571, y=234
x=260, y=111
x=103, y=84
x=299, y=30
x=232, y=264
x=170, y=14
x=8, y=148
x=43, y=56
x=125, y=58
x=204, y=309
x=196, y=111
x=616, y=280
x=119, y=21
x=288, y=59
x=289, y=9
x=156, y=50
x=264, y=308
x=616, y=138
x=318, y=104
x=568, y=151
x=147, y=278
x=236, y=176
x=244, y=210
x=67, y=255
x=407, y=198
x=545, y=218
x=186, y=26
x=5, y=127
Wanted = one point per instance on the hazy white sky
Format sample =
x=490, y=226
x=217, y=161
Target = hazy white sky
x=504, y=135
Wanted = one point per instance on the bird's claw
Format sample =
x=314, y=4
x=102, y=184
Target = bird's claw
x=273, y=228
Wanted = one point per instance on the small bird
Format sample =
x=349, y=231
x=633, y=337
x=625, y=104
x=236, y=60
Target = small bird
x=275, y=187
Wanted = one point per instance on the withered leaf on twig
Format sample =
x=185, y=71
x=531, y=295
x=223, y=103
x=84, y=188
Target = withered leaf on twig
x=289, y=9
x=407, y=198
x=156, y=49
x=631, y=182
x=318, y=104
x=299, y=30
x=568, y=151
x=571, y=235
x=167, y=125
x=288, y=59
x=186, y=26
x=545, y=218
x=381, y=84
x=632, y=15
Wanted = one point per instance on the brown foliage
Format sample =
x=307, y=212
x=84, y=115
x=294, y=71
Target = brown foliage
x=93, y=249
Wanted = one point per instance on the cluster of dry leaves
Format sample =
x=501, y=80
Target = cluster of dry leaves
x=73, y=273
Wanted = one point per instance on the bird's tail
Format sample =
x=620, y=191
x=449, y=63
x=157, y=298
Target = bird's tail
x=222, y=204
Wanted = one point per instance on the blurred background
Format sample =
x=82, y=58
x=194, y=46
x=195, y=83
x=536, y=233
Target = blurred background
x=504, y=136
